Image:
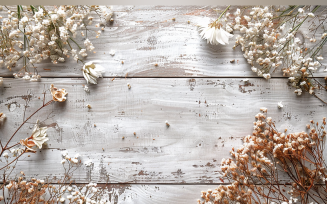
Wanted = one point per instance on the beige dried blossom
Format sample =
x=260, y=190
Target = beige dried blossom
x=268, y=155
x=92, y=72
x=2, y=118
x=38, y=137
x=58, y=94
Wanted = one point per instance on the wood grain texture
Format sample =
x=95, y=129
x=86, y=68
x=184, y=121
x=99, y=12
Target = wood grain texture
x=143, y=36
x=153, y=193
x=207, y=118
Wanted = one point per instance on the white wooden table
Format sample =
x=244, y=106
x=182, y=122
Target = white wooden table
x=195, y=88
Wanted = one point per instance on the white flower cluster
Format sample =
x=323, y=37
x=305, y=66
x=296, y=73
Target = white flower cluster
x=69, y=159
x=85, y=195
x=25, y=185
x=48, y=33
x=267, y=47
x=13, y=152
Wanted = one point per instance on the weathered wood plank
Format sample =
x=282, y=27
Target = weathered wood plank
x=207, y=117
x=143, y=36
x=153, y=193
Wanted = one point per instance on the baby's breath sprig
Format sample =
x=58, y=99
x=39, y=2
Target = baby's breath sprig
x=276, y=40
x=35, y=34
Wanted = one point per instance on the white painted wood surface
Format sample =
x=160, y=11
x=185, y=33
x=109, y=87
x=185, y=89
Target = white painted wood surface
x=207, y=116
x=143, y=36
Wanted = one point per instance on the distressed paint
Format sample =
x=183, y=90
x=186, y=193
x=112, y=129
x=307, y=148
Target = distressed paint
x=207, y=117
x=143, y=36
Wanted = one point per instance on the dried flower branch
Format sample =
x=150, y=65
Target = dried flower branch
x=37, y=138
x=266, y=158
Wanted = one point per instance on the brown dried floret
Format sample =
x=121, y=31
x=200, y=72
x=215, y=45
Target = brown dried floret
x=58, y=94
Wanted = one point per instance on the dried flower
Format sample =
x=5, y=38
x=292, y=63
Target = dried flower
x=2, y=118
x=6, y=154
x=47, y=34
x=280, y=105
x=28, y=144
x=266, y=76
x=88, y=163
x=267, y=155
x=58, y=95
x=311, y=15
x=91, y=72
x=214, y=35
x=86, y=89
x=112, y=52
x=39, y=135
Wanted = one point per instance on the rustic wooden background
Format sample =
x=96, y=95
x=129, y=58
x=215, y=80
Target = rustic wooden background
x=195, y=87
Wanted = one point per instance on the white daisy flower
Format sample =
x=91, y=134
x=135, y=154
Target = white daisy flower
x=214, y=35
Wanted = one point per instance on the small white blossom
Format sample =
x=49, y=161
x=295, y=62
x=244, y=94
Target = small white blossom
x=266, y=76
x=86, y=89
x=319, y=58
x=64, y=153
x=88, y=163
x=311, y=15
x=112, y=52
x=298, y=91
x=254, y=69
x=91, y=72
x=5, y=154
x=74, y=160
x=280, y=105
